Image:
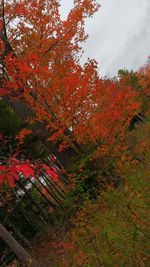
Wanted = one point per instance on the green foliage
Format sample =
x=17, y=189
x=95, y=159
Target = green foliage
x=90, y=175
x=10, y=126
x=34, y=148
x=139, y=143
x=130, y=78
x=114, y=231
x=10, y=123
x=85, y=174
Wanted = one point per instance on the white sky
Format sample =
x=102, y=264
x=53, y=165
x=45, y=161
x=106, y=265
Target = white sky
x=119, y=34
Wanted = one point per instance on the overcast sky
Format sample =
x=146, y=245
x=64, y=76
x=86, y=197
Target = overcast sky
x=119, y=34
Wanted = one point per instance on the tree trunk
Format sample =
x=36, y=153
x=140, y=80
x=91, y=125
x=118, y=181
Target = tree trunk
x=22, y=254
x=40, y=130
x=21, y=108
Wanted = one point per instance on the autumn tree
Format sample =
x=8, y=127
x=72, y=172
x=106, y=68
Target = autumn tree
x=65, y=105
x=40, y=65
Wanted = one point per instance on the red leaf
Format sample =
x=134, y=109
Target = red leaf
x=23, y=133
x=11, y=181
x=15, y=176
x=2, y=177
x=26, y=170
x=52, y=173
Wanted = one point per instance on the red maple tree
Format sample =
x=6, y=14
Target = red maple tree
x=40, y=63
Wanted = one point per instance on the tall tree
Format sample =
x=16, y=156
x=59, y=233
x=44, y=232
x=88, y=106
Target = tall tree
x=45, y=82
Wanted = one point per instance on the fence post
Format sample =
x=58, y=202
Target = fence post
x=22, y=254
